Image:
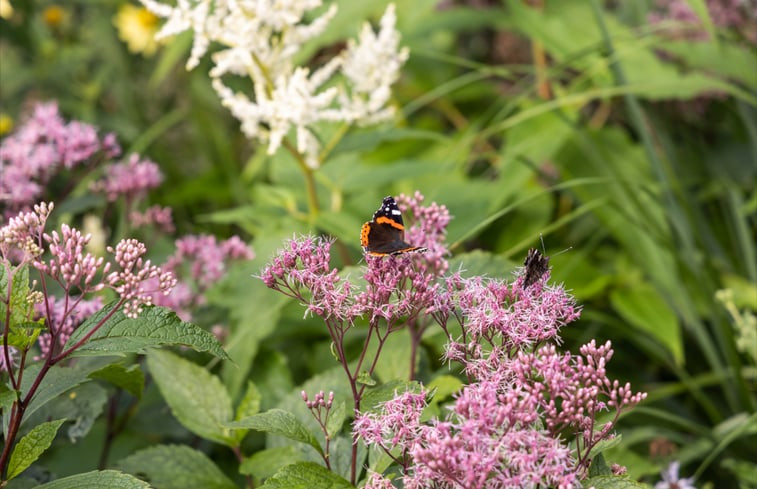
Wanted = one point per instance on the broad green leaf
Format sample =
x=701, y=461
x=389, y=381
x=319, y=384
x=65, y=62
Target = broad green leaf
x=605, y=444
x=197, y=398
x=337, y=415
x=279, y=422
x=265, y=463
x=613, y=482
x=250, y=403
x=394, y=361
x=643, y=307
x=131, y=379
x=155, y=326
x=176, y=467
x=443, y=386
x=56, y=381
x=81, y=405
x=306, y=475
x=363, y=377
x=31, y=446
x=100, y=479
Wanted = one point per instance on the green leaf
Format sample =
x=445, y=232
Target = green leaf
x=599, y=466
x=22, y=333
x=197, y=399
x=337, y=415
x=155, y=326
x=279, y=422
x=612, y=482
x=394, y=361
x=643, y=307
x=365, y=378
x=56, y=381
x=101, y=479
x=7, y=396
x=250, y=403
x=81, y=405
x=265, y=463
x=374, y=399
x=603, y=445
x=131, y=379
x=306, y=475
x=176, y=467
x=31, y=446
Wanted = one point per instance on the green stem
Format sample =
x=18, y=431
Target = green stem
x=309, y=177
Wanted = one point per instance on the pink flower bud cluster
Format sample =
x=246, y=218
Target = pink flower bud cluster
x=319, y=402
x=133, y=282
x=69, y=265
x=39, y=149
x=21, y=237
x=199, y=262
x=131, y=179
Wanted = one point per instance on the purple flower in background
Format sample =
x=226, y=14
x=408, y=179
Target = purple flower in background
x=160, y=217
x=40, y=148
x=64, y=316
x=199, y=262
x=131, y=179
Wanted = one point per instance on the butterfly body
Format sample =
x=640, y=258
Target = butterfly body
x=535, y=266
x=385, y=233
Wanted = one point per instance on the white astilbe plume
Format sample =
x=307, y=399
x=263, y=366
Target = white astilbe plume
x=259, y=39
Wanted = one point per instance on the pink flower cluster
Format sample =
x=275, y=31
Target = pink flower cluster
x=160, y=217
x=199, y=262
x=397, y=288
x=131, y=179
x=40, y=148
x=488, y=441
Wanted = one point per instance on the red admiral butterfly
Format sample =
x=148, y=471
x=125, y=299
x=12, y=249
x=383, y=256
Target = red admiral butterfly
x=535, y=266
x=385, y=233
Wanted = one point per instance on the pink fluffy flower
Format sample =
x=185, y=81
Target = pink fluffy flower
x=131, y=179
x=40, y=148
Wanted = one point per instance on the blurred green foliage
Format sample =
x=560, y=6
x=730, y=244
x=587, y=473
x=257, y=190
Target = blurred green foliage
x=632, y=146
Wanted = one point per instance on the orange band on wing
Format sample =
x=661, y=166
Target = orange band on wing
x=364, y=234
x=391, y=222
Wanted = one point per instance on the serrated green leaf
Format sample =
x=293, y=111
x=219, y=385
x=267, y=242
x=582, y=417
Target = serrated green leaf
x=612, y=482
x=101, y=479
x=279, y=422
x=250, y=403
x=176, y=467
x=306, y=475
x=197, y=399
x=337, y=415
x=81, y=405
x=131, y=379
x=265, y=463
x=155, y=326
x=22, y=332
x=31, y=446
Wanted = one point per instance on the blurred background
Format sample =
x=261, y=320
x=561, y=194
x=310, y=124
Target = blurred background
x=622, y=133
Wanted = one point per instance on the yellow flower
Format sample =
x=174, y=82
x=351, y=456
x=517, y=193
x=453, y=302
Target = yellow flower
x=6, y=9
x=53, y=15
x=137, y=27
x=6, y=122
